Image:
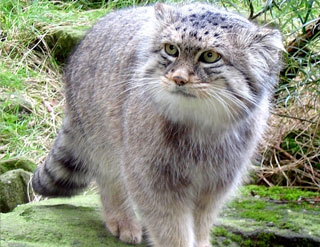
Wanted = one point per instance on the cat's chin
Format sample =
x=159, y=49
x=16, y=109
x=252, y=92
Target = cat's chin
x=188, y=109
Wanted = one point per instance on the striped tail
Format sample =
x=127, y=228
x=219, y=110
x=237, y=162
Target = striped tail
x=63, y=173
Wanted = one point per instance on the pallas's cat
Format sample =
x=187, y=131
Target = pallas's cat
x=165, y=106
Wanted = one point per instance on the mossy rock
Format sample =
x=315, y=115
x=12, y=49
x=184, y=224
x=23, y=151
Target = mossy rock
x=12, y=164
x=264, y=217
x=14, y=189
x=16, y=102
x=75, y=222
x=64, y=39
x=250, y=220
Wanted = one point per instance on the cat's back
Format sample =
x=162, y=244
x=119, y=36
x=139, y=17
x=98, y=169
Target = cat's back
x=110, y=41
x=100, y=66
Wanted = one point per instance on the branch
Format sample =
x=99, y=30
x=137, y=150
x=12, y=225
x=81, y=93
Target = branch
x=251, y=9
x=297, y=118
x=298, y=47
x=264, y=10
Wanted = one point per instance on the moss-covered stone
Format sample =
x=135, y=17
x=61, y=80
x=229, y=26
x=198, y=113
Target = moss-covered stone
x=250, y=220
x=12, y=164
x=75, y=222
x=274, y=216
x=64, y=39
x=14, y=189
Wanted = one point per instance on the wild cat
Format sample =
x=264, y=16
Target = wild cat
x=165, y=105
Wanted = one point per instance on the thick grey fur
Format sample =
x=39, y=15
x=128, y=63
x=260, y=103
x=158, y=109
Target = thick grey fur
x=169, y=138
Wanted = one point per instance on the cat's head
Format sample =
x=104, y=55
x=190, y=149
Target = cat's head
x=210, y=66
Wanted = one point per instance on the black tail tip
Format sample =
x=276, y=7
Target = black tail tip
x=49, y=189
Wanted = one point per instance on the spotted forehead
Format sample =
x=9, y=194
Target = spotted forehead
x=200, y=28
x=203, y=18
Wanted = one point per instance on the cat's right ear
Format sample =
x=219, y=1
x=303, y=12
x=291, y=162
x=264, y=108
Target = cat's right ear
x=163, y=12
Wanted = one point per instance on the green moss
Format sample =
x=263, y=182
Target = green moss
x=12, y=164
x=13, y=189
x=278, y=193
x=58, y=222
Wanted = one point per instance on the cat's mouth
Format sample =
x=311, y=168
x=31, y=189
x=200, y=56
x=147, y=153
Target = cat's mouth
x=183, y=92
x=172, y=88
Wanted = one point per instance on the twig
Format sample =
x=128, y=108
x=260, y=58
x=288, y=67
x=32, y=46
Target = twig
x=251, y=9
x=284, y=152
x=298, y=47
x=268, y=6
x=297, y=118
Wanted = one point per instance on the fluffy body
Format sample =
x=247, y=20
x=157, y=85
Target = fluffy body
x=173, y=153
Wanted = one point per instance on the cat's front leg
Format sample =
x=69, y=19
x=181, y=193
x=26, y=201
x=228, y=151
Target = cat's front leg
x=119, y=215
x=167, y=215
x=205, y=212
x=168, y=226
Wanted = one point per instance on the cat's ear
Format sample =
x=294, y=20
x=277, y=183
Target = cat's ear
x=268, y=39
x=264, y=53
x=266, y=45
x=163, y=12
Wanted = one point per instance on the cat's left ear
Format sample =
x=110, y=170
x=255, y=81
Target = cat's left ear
x=265, y=48
x=264, y=53
x=268, y=39
x=163, y=12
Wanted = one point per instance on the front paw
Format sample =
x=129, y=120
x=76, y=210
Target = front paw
x=204, y=244
x=127, y=231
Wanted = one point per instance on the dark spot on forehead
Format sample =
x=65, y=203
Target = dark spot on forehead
x=183, y=19
x=193, y=16
x=223, y=19
x=178, y=28
x=195, y=24
x=193, y=34
x=206, y=33
x=185, y=29
x=216, y=35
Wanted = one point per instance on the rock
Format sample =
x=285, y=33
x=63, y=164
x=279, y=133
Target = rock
x=75, y=222
x=12, y=164
x=247, y=221
x=276, y=216
x=13, y=189
x=63, y=39
x=17, y=102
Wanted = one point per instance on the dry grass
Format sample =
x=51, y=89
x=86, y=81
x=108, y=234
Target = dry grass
x=291, y=156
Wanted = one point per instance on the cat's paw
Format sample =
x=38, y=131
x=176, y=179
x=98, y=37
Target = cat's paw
x=204, y=244
x=127, y=231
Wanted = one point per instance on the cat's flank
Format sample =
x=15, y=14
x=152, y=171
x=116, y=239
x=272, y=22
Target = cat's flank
x=165, y=106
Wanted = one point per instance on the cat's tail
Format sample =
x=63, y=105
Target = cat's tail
x=63, y=173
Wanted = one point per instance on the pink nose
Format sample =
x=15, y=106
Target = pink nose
x=179, y=80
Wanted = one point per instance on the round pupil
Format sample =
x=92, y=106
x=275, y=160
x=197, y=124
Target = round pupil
x=171, y=47
x=209, y=54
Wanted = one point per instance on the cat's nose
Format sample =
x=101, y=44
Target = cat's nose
x=179, y=80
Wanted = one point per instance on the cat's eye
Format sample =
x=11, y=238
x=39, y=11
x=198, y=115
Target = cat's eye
x=171, y=50
x=209, y=57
